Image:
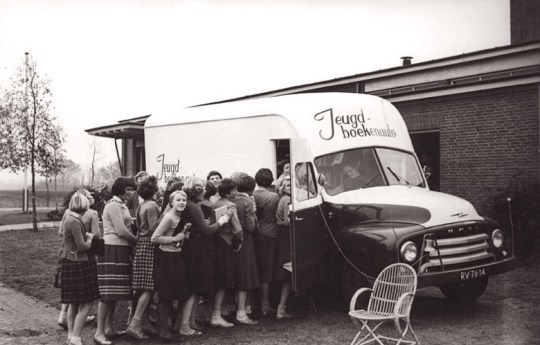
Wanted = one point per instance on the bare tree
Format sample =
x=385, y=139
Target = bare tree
x=95, y=156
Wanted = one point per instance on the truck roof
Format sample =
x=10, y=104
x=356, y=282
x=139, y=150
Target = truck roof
x=329, y=122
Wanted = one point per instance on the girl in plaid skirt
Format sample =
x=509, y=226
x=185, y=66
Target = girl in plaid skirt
x=142, y=283
x=79, y=286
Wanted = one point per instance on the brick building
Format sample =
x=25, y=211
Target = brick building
x=474, y=118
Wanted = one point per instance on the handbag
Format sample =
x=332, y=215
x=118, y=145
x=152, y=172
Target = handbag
x=97, y=247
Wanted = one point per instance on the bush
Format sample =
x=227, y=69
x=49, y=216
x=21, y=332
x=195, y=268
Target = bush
x=56, y=215
x=525, y=211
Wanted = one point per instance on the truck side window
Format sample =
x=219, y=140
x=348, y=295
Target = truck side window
x=305, y=182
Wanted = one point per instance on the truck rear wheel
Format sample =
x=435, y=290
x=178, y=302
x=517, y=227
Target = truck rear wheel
x=468, y=291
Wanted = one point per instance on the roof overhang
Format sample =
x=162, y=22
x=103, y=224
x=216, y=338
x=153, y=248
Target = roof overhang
x=124, y=130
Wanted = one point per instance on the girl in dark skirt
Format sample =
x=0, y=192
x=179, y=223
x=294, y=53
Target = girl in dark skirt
x=147, y=215
x=247, y=278
x=170, y=272
x=199, y=253
x=228, y=243
x=79, y=286
x=283, y=252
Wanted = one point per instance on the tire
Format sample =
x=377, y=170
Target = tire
x=466, y=292
x=350, y=282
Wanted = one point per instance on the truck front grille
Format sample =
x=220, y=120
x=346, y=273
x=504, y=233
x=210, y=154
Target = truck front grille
x=455, y=252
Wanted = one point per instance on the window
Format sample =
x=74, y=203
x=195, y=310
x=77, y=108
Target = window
x=305, y=182
x=368, y=167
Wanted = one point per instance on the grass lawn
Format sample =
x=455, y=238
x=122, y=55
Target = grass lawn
x=506, y=314
x=13, y=198
x=17, y=217
x=28, y=261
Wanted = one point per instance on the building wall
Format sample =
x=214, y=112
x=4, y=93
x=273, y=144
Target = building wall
x=524, y=21
x=487, y=138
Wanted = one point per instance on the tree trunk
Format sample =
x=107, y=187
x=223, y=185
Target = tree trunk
x=47, y=186
x=55, y=192
x=34, y=210
x=33, y=153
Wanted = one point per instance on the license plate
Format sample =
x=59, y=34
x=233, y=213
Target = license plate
x=472, y=274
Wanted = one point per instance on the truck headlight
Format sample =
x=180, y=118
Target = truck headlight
x=409, y=251
x=497, y=238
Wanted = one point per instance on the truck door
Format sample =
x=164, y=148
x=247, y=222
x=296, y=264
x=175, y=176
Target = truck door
x=307, y=245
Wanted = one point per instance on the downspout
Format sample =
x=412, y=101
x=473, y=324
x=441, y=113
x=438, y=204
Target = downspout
x=118, y=157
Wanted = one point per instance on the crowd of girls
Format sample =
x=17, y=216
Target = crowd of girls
x=178, y=252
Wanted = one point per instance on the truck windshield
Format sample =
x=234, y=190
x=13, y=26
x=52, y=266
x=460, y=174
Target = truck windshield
x=368, y=167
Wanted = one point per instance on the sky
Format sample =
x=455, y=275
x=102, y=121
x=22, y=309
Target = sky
x=116, y=59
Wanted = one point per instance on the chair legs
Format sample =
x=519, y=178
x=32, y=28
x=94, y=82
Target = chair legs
x=370, y=332
x=373, y=336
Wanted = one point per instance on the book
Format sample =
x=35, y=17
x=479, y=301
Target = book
x=221, y=211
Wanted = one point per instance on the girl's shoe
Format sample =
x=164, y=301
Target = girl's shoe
x=103, y=341
x=137, y=333
x=282, y=313
x=246, y=320
x=74, y=341
x=188, y=331
x=219, y=322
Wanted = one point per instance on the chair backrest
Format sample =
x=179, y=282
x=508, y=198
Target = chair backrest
x=393, y=282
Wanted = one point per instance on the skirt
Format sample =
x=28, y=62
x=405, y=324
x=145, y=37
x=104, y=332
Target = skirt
x=79, y=282
x=283, y=255
x=114, y=273
x=265, y=251
x=170, y=276
x=247, y=277
x=143, y=265
x=225, y=264
x=200, y=256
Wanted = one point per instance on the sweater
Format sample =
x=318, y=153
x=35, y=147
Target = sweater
x=163, y=235
x=282, y=213
x=193, y=214
x=75, y=242
x=147, y=216
x=246, y=212
x=116, y=223
x=233, y=227
x=90, y=220
x=267, y=202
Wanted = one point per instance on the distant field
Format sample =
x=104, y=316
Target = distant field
x=13, y=198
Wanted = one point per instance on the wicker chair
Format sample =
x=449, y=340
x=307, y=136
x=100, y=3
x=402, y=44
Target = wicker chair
x=391, y=300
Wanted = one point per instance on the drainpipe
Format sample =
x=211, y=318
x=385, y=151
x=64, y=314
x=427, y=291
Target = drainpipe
x=118, y=157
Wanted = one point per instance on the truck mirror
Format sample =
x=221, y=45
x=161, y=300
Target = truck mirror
x=426, y=171
x=321, y=179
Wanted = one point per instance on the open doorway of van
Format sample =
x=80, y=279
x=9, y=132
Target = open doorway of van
x=427, y=147
x=283, y=154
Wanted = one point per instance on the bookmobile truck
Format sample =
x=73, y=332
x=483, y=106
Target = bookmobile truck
x=341, y=231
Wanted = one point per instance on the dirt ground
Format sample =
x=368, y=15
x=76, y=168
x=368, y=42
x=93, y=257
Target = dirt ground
x=506, y=315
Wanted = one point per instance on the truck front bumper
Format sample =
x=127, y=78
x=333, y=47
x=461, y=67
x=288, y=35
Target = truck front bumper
x=463, y=275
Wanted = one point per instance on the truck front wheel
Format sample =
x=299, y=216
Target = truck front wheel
x=467, y=291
